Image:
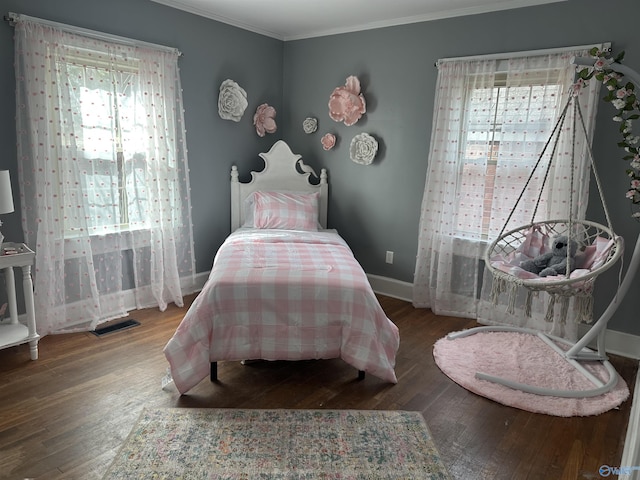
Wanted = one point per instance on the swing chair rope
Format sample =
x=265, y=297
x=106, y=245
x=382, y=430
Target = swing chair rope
x=555, y=137
x=556, y=131
x=558, y=125
x=595, y=171
x=576, y=102
x=596, y=177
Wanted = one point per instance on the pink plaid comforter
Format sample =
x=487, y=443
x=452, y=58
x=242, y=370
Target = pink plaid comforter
x=283, y=295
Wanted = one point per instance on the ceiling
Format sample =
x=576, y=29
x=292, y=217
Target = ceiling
x=297, y=19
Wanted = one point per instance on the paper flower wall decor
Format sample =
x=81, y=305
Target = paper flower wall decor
x=363, y=149
x=328, y=141
x=310, y=125
x=265, y=119
x=346, y=104
x=232, y=101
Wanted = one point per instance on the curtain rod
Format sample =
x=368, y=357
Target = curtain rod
x=528, y=53
x=12, y=18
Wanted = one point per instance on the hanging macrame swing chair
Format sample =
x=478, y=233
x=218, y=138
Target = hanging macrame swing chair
x=598, y=249
x=597, y=246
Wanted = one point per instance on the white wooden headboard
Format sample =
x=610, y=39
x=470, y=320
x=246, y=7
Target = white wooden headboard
x=279, y=174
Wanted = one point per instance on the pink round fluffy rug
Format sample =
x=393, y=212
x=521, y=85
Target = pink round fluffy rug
x=526, y=359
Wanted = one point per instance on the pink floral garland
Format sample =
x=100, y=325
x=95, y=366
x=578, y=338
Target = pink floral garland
x=624, y=99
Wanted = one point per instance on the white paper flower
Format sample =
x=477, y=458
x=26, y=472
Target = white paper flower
x=310, y=125
x=363, y=149
x=232, y=101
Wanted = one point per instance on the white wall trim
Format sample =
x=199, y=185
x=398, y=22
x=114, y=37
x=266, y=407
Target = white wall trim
x=186, y=285
x=129, y=299
x=617, y=343
x=200, y=280
x=391, y=287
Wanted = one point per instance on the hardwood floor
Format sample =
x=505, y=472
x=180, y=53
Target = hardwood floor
x=66, y=414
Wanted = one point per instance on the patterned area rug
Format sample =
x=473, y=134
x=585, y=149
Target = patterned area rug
x=278, y=444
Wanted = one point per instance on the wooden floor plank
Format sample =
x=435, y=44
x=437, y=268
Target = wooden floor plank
x=65, y=415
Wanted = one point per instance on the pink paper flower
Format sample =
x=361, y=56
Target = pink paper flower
x=328, y=141
x=346, y=104
x=264, y=119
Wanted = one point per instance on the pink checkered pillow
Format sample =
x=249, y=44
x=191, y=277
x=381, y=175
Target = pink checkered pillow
x=536, y=243
x=290, y=211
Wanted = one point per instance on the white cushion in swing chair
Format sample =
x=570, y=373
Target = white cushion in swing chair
x=537, y=242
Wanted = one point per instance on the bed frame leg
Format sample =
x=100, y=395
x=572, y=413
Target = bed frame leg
x=213, y=375
x=360, y=374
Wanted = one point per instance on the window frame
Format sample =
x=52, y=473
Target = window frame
x=501, y=83
x=75, y=57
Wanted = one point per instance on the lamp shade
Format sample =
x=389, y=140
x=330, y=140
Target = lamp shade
x=6, y=196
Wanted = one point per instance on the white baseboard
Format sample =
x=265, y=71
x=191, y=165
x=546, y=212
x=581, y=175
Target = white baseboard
x=391, y=287
x=201, y=279
x=196, y=286
x=617, y=343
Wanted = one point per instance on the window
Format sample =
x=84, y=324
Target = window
x=506, y=127
x=493, y=118
x=102, y=158
x=109, y=139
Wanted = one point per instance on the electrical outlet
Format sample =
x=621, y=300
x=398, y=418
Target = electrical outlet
x=389, y=257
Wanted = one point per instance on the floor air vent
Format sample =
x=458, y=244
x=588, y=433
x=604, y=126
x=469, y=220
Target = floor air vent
x=115, y=327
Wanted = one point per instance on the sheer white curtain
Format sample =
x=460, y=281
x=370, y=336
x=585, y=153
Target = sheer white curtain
x=103, y=176
x=492, y=118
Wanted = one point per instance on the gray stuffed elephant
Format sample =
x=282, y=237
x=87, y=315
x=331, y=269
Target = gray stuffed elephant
x=555, y=261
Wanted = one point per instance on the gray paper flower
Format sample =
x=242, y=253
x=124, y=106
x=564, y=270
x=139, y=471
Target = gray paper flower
x=310, y=125
x=232, y=101
x=363, y=149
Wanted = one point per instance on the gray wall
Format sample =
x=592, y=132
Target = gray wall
x=377, y=207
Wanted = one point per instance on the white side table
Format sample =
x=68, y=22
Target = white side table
x=13, y=332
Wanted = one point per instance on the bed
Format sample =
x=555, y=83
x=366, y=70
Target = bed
x=282, y=285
